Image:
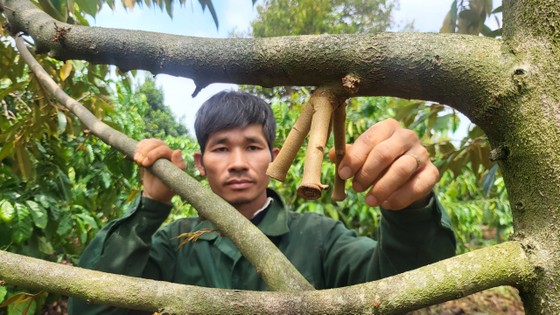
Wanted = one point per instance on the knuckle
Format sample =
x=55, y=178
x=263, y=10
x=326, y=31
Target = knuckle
x=382, y=153
x=392, y=122
x=381, y=191
x=364, y=177
x=410, y=135
x=397, y=203
x=404, y=170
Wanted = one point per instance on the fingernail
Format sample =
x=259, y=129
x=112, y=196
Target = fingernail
x=371, y=200
x=345, y=173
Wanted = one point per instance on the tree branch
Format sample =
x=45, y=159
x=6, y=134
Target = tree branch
x=275, y=269
x=339, y=134
x=459, y=70
x=504, y=264
x=278, y=168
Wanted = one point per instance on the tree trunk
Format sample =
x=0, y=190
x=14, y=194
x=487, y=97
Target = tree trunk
x=523, y=126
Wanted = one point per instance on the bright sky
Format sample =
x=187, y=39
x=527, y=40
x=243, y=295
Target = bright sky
x=233, y=15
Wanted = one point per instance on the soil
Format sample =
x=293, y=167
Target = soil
x=497, y=301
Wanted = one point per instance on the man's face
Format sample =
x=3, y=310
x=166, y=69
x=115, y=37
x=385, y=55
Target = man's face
x=235, y=162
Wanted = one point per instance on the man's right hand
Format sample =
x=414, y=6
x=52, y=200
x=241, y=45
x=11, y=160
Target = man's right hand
x=146, y=153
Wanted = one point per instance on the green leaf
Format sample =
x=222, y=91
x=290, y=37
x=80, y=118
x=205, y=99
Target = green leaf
x=23, y=227
x=88, y=219
x=24, y=162
x=208, y=4
x=45, y=246
x=64, y=226
x=38, y=213
x=87, y=6
x=489, y=179
x=3, y=292
x=499, y=9
x=169, y=7
x=62, y=122
x=6, y=211
x=23, y=306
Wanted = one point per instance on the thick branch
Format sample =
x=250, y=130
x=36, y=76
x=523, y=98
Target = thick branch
x=504, y=264
x=274, y=267
x=462, y=71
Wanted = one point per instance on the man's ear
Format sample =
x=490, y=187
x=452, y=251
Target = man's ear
x=275, y=152
x=199, y=163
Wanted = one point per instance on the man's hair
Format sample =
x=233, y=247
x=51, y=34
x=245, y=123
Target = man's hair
x=233, y=109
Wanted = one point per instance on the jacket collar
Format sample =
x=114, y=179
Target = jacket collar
x=274, y=223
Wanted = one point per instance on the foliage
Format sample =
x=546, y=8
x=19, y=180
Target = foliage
x=59, y=184
x=469, y=17
x=75, y=12
x=307, y=17
x=160, y=121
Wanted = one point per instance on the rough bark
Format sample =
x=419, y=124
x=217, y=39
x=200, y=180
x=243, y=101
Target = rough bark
x=461, y=71
x=524, y=126
x=504, y=264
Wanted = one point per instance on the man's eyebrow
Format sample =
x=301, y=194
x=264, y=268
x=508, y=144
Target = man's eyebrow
x=251, y=139
x=220, y=140
x=248, y=139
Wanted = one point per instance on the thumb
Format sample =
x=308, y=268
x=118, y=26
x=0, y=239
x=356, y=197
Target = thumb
x=177, y=159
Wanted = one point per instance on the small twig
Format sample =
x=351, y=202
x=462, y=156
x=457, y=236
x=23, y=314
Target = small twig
x=281, y=164
x=324, y=102
x=9, y=115
x=339, y=133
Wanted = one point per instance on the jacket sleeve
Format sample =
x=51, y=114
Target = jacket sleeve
x=407, y=239
x=124, y=247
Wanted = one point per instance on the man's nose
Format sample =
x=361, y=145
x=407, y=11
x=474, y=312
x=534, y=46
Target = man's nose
x=238, y=160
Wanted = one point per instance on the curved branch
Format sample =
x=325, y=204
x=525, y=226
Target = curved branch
x=275, y=269
x=459, y=70
x=504, y=264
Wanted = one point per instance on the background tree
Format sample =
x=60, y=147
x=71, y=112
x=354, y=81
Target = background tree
x=159, y=119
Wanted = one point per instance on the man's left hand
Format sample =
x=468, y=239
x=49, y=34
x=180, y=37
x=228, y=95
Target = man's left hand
x=391, y=162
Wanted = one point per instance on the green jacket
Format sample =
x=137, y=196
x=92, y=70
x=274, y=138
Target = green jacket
x=323, y=250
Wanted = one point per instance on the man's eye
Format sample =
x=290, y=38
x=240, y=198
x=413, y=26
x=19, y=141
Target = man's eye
x=220, y=149
x=253, y=148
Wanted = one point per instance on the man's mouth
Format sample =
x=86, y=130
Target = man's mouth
x=239, y=183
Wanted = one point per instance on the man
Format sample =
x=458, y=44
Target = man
x=236, y=132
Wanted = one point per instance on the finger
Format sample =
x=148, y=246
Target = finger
x=357, y=154
x=177, y=159
x=147, y=152
x=418, y=187
x=332, y=152
x=396, y=176
x=143, y=147
x=381, y=158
